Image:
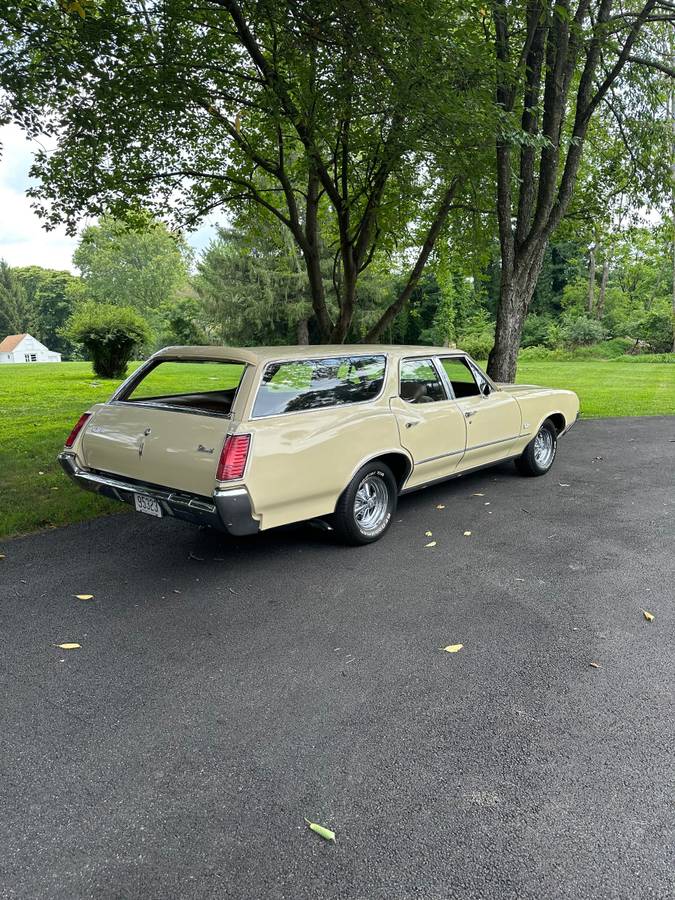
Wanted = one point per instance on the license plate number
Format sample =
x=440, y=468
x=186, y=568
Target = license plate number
x=147, y=505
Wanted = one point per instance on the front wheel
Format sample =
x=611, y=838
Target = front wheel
x=537, y=458
x=365, y=509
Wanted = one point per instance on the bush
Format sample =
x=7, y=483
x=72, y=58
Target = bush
x=110, y=335
x=582, y=331
x=477, y=345
x=656, y=328
x=535, y=331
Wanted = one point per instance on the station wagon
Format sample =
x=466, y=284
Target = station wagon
x=247, y=439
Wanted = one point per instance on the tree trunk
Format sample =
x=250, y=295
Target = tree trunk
x=516, y=290
x=600, y=309
x=591, y=278
x=511, y=312
x=302, y=332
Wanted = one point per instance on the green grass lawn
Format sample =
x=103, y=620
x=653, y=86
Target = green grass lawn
x=39, y=404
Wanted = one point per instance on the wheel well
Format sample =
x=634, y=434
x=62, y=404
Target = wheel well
x=399, y=465
x=558, y=421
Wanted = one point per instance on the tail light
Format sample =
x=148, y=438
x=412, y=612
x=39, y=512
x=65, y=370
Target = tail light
x=81, y=422
x=233, y=457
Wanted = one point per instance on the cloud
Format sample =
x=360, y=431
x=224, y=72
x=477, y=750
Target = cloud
x=23, y=240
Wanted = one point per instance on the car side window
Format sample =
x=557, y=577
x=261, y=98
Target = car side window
x=461, y=377
x=420, y=382
x=304, y=384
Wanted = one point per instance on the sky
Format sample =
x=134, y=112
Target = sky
x=23, y=240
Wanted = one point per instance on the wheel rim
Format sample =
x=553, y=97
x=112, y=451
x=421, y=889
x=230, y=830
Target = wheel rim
x=371, y=503
x=543, y=448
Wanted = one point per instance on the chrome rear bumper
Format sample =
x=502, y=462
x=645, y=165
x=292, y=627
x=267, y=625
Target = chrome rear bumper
x=227, y=510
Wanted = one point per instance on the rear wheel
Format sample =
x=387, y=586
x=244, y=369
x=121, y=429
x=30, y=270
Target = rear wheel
x=365, y=509
x=538, y=456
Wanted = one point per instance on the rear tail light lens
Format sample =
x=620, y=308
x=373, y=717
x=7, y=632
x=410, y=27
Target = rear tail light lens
x=81, y=422
x=233, y=457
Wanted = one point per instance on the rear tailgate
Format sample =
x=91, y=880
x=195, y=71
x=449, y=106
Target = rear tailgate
x=174, y=449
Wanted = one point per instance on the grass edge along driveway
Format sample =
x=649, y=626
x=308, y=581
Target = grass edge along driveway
x=39, y=404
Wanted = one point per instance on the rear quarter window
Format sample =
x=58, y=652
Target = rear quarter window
x=307, y=384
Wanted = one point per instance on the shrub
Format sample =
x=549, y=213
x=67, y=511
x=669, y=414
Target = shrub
x=535, y=331
x=581, y=331
x=110, y=335
x=656, y=328
x=477, y=345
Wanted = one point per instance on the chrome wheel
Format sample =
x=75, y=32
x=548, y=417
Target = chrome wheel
x=544, y=448
x=371, y=503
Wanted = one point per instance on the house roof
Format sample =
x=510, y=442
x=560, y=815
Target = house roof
x=11, y=342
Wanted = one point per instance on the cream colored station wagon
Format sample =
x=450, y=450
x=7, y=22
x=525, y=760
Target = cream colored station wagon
x=245, y=439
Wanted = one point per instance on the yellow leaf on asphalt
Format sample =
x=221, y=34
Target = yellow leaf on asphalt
x=69, y=646
x=84, y=596
x=325, y=833
x=595, y=665
x=440, y=506
x=428, y=533
x=467, y=534
x=431, y=544
x=2, y=555
x=648, y=616
x=453, y=648
x=478, y=494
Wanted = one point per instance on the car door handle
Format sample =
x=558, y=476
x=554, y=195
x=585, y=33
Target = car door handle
x=411, y=424
x=470, y=412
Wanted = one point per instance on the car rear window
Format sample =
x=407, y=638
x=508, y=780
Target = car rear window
x=317, y=383
x=204, y=385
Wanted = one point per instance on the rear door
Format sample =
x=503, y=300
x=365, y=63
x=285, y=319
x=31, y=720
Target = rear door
x=168, y=428
x=431, y=426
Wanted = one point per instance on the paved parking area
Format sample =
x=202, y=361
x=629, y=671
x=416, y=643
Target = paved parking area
x=226, y=689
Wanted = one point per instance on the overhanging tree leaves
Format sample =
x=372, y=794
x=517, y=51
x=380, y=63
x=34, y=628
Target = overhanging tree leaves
x=365, y=116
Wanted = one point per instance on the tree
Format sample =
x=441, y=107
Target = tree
x=110, y=335
x=15, y=313
x=354, y=125
x=51, y=296
x=556, y=63
x=141, y=266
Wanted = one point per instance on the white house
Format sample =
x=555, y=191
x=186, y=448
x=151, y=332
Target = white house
x=24, y=348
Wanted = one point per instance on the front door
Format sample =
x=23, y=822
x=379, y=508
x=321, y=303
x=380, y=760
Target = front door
x=493, y=420
x=431, y=426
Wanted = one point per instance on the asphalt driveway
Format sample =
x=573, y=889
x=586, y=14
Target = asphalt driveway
x=225, y=689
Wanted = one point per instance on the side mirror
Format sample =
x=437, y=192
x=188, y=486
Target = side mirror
x=485, y=389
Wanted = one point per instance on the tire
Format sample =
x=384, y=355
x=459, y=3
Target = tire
x=537, y=458
x=366, y=507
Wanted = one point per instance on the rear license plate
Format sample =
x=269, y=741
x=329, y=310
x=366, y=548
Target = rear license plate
x=147, y=505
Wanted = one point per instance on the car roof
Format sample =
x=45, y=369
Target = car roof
x=257, y=355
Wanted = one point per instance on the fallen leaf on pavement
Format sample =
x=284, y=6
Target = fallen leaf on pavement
x=478, y=494
x=440, y=506
x=453, y=648
x=431, y=544
x=69, y=646
x=648, y=616
x=325, y=833
x=563, y=485
x=428, y=533
x=595, y=665
x=84, y=596
x=467, y=534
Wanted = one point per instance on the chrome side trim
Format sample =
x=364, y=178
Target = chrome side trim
x=440, y=456
x=492, y=443
x=490, y=465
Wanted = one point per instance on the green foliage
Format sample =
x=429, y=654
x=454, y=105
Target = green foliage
x=51, y=295
x=142, y=266
x=582, y=330
x=15, y=312
x=655, y=328
x=182, y=323
x=110, y=334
